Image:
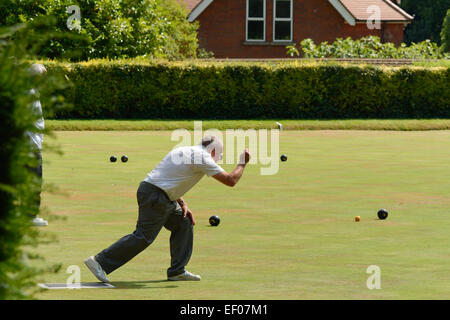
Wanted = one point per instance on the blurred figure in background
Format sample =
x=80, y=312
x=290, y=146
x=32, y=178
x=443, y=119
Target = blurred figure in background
x=37, y=138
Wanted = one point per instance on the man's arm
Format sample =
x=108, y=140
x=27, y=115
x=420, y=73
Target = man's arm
x=231, y=179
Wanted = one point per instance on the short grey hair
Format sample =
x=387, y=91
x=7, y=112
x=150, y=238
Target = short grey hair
x=211, y=142
x=37, y=69
x=207, y=140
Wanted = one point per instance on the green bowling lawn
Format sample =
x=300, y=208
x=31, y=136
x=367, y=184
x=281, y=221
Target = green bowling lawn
x=291, y=235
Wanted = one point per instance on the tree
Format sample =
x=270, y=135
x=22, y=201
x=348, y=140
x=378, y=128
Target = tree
x=445, y=33
x=181, y=40
x=428, y=18
x=110, y=28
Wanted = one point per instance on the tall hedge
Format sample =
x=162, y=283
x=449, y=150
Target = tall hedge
x=215, y=90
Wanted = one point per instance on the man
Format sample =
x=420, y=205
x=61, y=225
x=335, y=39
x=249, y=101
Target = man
x=37, y=138
x=161, y=204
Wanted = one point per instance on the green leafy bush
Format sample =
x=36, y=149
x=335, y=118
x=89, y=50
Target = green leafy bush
x=240, y=90
x=370, y=48
x=181, y=40
x=110, y=28
x=18, y=185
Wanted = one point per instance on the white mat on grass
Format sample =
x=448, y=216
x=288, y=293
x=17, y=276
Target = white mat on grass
x=85, y=285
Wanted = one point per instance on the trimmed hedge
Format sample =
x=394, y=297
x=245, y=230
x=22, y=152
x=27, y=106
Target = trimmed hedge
x=242, y=90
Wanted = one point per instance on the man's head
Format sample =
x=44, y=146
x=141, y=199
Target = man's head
x=214, y=146
x=37, y=69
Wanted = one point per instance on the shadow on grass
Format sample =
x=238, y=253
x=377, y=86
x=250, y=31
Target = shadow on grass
x=143, y=284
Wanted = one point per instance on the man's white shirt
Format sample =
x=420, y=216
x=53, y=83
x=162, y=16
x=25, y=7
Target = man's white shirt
x=181, y=169
x=37, y=138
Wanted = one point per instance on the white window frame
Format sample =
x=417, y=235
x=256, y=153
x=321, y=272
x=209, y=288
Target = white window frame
x=247, y=19
x=275, y=19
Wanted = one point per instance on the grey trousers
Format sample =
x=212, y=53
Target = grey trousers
x=37, y=170
x=155, y=211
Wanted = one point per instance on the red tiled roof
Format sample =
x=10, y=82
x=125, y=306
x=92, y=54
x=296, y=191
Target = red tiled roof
x=389, y=10
x=190, y=4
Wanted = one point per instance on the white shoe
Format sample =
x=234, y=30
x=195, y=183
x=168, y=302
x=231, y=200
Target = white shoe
x=96, y=269
x=39, y=222
x=186, y=276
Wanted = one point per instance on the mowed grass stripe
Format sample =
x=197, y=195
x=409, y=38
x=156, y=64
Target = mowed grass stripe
x=140, y=125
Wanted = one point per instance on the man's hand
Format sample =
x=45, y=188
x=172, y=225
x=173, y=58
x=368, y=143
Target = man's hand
x=245, y=157
x=187, y=212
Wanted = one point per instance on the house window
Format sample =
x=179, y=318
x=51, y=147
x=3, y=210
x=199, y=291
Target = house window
x=256, y=20
x=282, y=20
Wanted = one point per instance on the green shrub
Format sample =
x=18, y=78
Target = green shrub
x=370, y=48
x=18, y=185
x=239, y=90
x=180, y=41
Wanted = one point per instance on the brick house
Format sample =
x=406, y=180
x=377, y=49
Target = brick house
x=263, y=28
